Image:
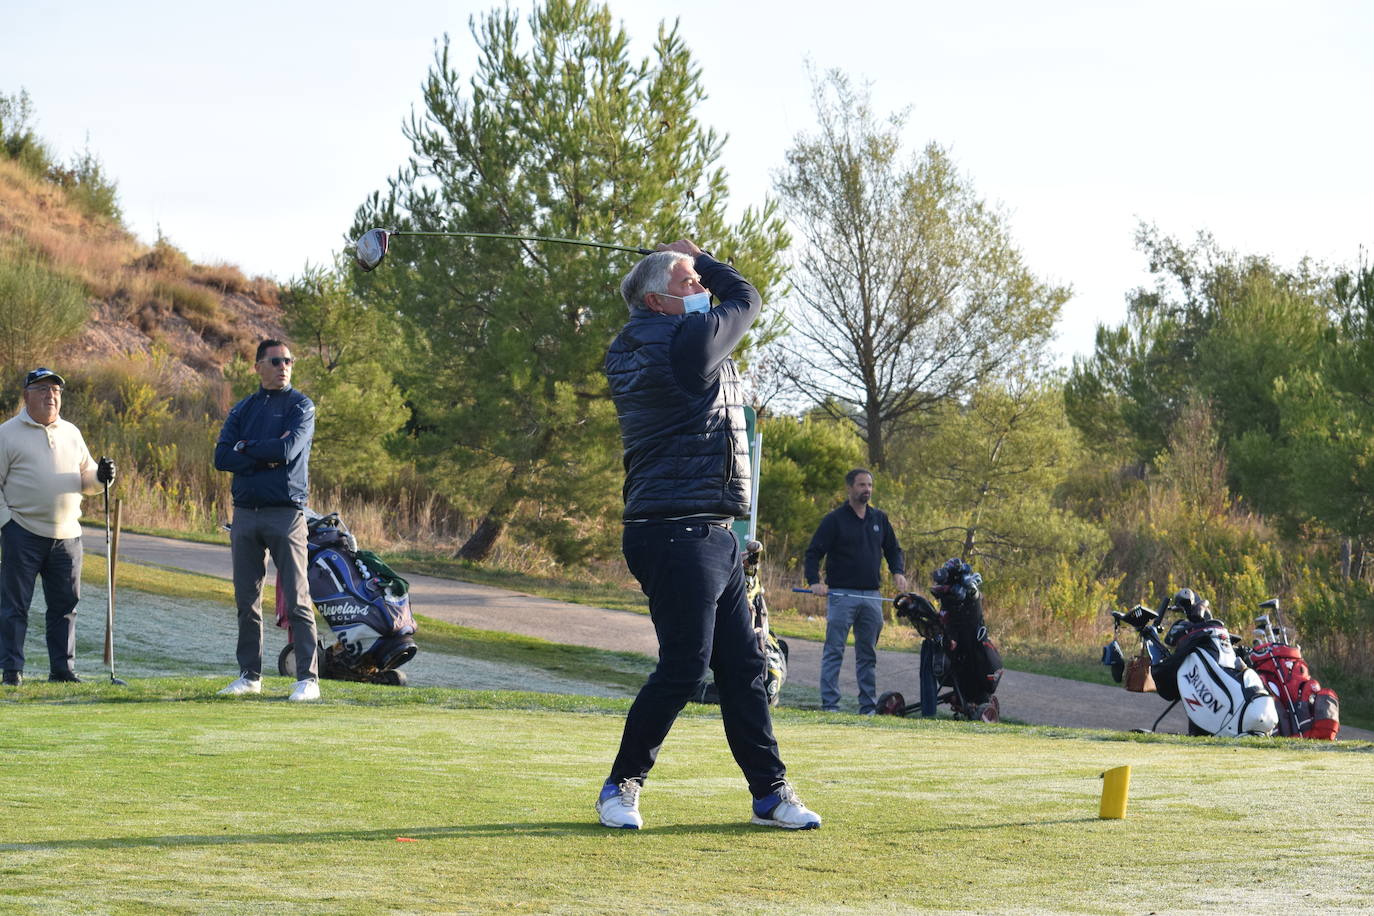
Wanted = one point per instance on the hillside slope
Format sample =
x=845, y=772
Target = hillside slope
x=142, y=296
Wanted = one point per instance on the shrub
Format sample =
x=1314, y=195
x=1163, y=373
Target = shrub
x=17, y=138
x=224, y=277
x=39, y=309
x=88, y=187
x=164, y=257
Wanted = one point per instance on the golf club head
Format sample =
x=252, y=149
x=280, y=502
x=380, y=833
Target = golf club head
x=370, y=248
x=118, y=682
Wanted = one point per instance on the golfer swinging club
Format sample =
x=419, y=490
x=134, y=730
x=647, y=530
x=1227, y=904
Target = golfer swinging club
x=680, y=404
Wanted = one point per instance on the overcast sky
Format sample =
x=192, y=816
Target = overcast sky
x=249, y=132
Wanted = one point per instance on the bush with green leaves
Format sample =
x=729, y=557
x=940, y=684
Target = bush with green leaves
x=40, y=308
x=804, y=463
x=84, y=179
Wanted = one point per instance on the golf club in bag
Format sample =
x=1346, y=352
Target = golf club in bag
x=1221, y=694
x=1135, y=675
x=366, y=605
x=956, y=651
x=371, y=247
x=1306, y=708
x=971, y=676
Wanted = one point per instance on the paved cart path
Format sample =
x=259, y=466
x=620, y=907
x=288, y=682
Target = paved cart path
x=1032, y=698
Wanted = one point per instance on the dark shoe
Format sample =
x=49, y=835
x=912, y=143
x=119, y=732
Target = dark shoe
x=12, y=678
x=64, y=677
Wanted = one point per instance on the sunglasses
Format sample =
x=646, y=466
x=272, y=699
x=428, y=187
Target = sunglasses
x=279, y=360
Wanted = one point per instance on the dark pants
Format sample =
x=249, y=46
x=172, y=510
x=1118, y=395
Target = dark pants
x=253, y=535
x=24, y=556
x=692, y=573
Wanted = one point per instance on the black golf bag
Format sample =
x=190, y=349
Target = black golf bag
x=774, y=649
x=1201, y=668
x=365, y=603
x=956, y=654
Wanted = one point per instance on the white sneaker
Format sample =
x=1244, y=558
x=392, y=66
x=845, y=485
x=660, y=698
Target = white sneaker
x=241, y=686
x=618, y=805
x=782, y=808
x=304, y=691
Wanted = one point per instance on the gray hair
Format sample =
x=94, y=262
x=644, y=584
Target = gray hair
x=650, y=276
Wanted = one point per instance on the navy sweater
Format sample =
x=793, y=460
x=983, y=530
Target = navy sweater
x=854, y=549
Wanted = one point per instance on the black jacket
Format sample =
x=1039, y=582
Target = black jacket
x=854, y=549
x=680, y=404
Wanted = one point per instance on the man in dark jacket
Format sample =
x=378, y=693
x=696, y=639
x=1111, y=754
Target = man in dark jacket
x=680, y=404
x=854, y=539
x=265, y=444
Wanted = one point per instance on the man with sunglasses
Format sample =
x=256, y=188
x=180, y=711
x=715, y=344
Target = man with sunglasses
x=45, y=469
x=265, y=444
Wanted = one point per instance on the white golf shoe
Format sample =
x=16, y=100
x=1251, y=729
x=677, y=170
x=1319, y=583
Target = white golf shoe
x=618, y=805
x=782, y=808
x=241, y=686
x=304, y=691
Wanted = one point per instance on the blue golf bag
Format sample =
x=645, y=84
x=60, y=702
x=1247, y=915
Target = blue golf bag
x=365, y=603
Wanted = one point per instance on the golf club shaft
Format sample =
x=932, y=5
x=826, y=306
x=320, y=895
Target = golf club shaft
x=109, y=587
x=522, y=238
x=807, y=591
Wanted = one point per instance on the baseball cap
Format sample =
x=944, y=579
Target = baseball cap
x=41, y=374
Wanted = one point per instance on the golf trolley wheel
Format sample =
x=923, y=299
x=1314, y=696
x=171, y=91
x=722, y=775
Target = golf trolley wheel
x=891, y=703
x=392, y=677
x=991, y=711
x=286, y=662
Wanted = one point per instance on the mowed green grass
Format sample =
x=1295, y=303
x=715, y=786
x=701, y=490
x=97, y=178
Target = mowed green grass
x=161, y=797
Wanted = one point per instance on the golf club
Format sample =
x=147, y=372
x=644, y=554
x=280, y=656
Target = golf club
x=110, y=586
x=807, y=591
x=371, y=247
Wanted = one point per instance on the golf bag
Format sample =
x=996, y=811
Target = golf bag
x=1221, y=694
x=774, y=649
x=365, y=603
x=956, y=652
x=1306, y=709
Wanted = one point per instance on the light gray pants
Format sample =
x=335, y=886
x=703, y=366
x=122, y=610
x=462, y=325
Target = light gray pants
x=281, y=532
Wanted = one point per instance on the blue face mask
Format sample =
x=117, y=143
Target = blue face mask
x=697, y=302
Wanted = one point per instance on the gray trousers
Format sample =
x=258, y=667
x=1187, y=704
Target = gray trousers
x=861, y=610
x=281, y=532
x=24, y=557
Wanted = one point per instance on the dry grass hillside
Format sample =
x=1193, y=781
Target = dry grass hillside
x=142, y=297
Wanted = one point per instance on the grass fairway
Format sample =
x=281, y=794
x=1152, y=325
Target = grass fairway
x=161, y=797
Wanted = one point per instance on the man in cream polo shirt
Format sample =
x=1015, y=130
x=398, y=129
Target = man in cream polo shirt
x=45, y=468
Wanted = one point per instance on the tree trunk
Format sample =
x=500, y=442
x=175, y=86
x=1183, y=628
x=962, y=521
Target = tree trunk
x=874, y=436
x=1345, y=559
x=479, y=546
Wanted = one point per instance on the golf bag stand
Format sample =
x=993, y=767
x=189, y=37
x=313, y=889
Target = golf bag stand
x=365, y=603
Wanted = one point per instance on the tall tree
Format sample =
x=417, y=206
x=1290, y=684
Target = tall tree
x=566, y=137
x=1217, y=326
x=984, y=479
x=1323, y=454
x=909, y=289
x=347, y=355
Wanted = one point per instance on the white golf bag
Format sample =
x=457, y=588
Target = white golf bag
x=1221, y=694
